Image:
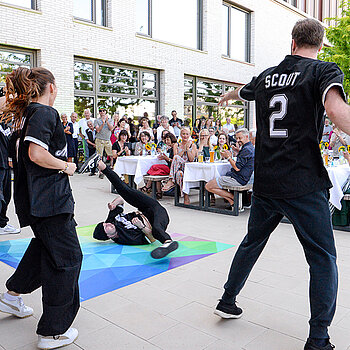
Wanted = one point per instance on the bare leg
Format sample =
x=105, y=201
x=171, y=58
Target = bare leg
x=213, y=187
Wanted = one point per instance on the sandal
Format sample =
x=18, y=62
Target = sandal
x=159, y=195
x=168, y=186
x=145, y=189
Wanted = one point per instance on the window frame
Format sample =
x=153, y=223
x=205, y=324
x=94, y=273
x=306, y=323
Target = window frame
x=199, y=24
x=195, y=103
x=32, y=55
x=33, y=5
x=104, y=8
x=248, y=27
x=95, y=93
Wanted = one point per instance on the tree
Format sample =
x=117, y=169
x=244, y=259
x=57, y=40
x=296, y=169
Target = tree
x=339, y=37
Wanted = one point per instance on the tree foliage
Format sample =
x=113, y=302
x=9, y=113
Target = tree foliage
x=339, y=37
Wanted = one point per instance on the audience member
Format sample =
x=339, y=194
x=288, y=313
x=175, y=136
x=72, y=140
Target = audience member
x=217, y=127
x=144, y=122
x=338, y=138
x=204, y=143
x=68, y=130
x=208, y=124
x=104, y=127
x=140, y=147
x=115, y=130
x=120, y=148
x=229, y=128
x=176, y=123
x=161, y=143
x=213, y=139
x=82, y=130
x=252, y=136
x=327, y=128
x=90, y=139
x=133, y=130
x=156, y=125
x=75, y=135
x=241, y=171
x=222, y=141
x=184, y=152
x=164, y=125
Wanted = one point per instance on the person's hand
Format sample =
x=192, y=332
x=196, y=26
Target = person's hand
x=126, y=148
x=137, y=222
x=70, y=169
x=336, y=131
x=226, y=153
x=101, y=166
x=234, y=147
x=225, y=98
x=347, y=156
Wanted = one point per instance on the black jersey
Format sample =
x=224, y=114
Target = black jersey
x=290, y=116
x=5, y=133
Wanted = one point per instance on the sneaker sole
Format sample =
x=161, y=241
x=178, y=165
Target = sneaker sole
x=164, y=251
x=11, y=312
x=225, y=315
x=59, y=346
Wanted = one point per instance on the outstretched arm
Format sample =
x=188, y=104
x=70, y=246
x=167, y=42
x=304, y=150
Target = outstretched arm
x=231, y=95
x=338, y=110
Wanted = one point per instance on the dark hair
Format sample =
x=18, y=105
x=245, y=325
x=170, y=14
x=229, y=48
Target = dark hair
x=226, y=137
x=122, y=119
x=308, y=33
x=23, y=85
x=145, y=114
x=146, y=133
x=173, y=111
x=172, y=137
x=123, y=132
x=144, y=118
x=164, y=133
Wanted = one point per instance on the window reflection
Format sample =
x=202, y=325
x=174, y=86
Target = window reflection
x=90, y=10
x=12, y=60
x=23, y=3
x=81, y=103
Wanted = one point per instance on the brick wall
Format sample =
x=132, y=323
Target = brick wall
x=57, y=38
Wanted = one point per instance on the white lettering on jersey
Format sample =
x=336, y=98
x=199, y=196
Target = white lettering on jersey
x=62, y=152
x=128, y=225
x=6, y=132
x=281, y=80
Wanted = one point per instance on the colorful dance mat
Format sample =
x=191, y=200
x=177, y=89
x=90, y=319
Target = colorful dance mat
x=108, y=266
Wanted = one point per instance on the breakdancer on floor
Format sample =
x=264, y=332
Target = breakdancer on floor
x=142, y=227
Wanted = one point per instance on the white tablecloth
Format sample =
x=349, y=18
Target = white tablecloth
x=136, y=165
x=338, y=175
x=195, y=172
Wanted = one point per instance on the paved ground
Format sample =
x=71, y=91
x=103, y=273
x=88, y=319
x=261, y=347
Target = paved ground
x=174, y=310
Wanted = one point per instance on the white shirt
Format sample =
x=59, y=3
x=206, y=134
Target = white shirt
x=229, y=129
x=75, y=130
x=213, y=140
x=83, y=125
x=160, y=130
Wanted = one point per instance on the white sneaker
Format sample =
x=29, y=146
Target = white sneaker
x=8, y=229
x=15, y=307
x=56, y=341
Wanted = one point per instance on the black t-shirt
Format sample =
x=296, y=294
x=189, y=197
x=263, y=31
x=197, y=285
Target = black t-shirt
x=5, y=133
x=91, y=137
x=116, y=147
x=41, y=192
x=290, y=116
x=128, y=233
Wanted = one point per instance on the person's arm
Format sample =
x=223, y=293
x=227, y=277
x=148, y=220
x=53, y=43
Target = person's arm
x=109, y=125
x=43, y=158
x=231, y=95
x=227, y=154
x=99, y=127
x=337, y=109
x=192, y=152
x=143, y=227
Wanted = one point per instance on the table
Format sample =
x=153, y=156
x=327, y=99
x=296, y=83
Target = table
x=136, y=166
x=338, y=176
x=196, y=172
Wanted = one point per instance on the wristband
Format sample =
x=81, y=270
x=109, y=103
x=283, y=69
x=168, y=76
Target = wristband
x=63, y=170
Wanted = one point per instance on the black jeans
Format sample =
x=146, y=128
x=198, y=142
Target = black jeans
x=5, y=194
x=154, y=212
x=52, y=261
x=311, y=220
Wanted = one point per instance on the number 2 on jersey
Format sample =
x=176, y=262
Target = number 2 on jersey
x=278, y=115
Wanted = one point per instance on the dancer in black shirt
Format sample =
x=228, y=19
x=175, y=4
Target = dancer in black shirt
x=290, y=179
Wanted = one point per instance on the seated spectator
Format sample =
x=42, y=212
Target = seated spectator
x=120, y=148
x=162, y=142
x=213, y=139
x=164, y=125
x=222, y=141
x=176, y=123
x=338, y=138
x=184, y=152
x=204, y=143
x=169, y=142
x=90, y=140
x=144, y=122
x=218, y=127
x=241, y=171
x=229, y=129
x=140, y=147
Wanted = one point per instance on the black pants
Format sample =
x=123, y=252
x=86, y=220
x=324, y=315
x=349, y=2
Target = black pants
x=311, y=220
x=75, y=143
x=52, y=261
x=5, y=194
x=154, y=212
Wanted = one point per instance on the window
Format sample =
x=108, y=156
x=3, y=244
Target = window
x=11, y=59
x=23, y=3
x=178, y=22
x=235, y=33
x=130, y=90
x=94, y=11
x=201, y=98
